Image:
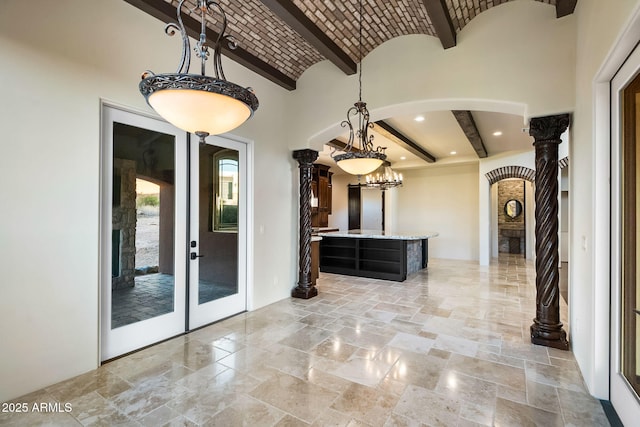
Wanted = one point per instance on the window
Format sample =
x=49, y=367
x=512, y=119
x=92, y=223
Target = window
x=225, y=197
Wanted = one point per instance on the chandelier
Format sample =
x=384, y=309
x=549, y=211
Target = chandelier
x=385, y=179
x=359, y=156
x=198, y=103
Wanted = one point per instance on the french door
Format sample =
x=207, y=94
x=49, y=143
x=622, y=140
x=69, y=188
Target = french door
x=625, y=218
x=173, y=231
x=218, y=226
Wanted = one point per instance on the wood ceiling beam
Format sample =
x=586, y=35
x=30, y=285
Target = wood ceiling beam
x=468, y=125
x=388, y=131
x=441, y=20
x=565, y=7
x=339, y=145
x=165, y=12
x=296, y=19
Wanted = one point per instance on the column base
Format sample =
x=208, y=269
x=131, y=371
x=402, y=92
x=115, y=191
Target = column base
x=304, y=292
x=554, y=337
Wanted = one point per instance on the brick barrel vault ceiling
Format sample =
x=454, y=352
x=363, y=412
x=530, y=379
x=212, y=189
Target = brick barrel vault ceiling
x=263, y=34
x=383, y=20
x=257, y=30
x=463, y=11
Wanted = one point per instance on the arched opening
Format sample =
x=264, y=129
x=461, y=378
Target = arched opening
x=512, y=218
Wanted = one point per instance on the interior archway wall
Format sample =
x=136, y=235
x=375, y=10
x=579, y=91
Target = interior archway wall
x=489, y=70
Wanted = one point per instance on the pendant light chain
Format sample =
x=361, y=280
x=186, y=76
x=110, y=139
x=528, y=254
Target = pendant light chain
x=359, y=155
x=360, y=55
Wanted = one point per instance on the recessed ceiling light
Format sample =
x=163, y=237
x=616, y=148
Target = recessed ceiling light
x=419, y=119
x=453, y=152
x=403, y=158
x=497, y=133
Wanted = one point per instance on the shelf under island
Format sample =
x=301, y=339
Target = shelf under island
x=375, y=254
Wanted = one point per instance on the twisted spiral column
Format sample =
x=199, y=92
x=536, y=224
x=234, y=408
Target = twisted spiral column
x=305, y=288
x=546, y=328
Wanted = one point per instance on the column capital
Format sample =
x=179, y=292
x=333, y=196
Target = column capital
x=549, y=128
x=305, y=157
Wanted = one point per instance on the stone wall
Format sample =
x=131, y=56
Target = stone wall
x=511, y=231
x=123, y=220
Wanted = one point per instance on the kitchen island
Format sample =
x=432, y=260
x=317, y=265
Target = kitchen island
x=375, y=254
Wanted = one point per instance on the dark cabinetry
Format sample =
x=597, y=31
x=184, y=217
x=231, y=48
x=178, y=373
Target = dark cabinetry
x=375, y=258
x=321, y=188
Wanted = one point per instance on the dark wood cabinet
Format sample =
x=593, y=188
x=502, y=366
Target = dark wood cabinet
x=321, y=188
x=375, y=258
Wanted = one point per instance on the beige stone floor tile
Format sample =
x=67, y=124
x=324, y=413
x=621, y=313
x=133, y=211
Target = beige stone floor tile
x=580, y=409
x=295, y=396
x=418, y=369
x=290, y=421
x=246, y=411
x=488, y=371
x=463, y=387
x=543, y=396
x=510, y=413
x=411, y=342
x=93, y=409
x=363, y=371
x=476, y=414
x=306, y=338
x=289, y=360
x=159, y=416
x=39, y=419
x=450, y=346
x=334, y=348
x=425, y=406
x=559, y=377
x=146, y=396
x=366, y=404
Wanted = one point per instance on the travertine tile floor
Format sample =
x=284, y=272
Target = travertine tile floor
x=448, y=347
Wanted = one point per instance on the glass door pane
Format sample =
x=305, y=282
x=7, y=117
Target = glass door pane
x=218, y=230
x=144, y=197
x=630, y=343
x=142, y=220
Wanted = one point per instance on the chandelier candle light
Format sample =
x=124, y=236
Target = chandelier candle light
x=362, y=158
x=385, y=180
x=198, y=103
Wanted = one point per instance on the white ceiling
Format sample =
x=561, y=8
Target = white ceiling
x=440, y=135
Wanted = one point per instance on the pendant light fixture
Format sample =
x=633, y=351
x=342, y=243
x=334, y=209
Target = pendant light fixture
x=359, y=157
x=385, y=178
x=198, y=103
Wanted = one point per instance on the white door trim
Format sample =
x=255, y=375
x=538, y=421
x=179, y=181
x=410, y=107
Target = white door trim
x=114, y=342
x=203, y=314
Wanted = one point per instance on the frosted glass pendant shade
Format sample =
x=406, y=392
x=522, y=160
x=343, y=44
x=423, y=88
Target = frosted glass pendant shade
x=199, y=104
x=199, y=111
x=359, y=165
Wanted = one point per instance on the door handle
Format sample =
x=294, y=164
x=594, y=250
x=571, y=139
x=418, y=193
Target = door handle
x=195, y=255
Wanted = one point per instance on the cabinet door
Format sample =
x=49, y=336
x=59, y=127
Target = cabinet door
x=323, y=201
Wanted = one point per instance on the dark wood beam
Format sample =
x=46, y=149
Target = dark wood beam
x=565, y=7
x=339, y=145
x=165, y=12
x=296, y=19
x=388, y=131
x=468, y=125
x=439, y=14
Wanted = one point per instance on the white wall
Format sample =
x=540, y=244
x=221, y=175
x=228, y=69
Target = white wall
x=63, y=57
x=60, y=59
x=488, y=203
x=497, y=51
x=339, y=217
x=442, y=199
x=599, y=25
x=371, y=209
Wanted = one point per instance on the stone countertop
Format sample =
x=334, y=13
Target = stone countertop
x=379, y=234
